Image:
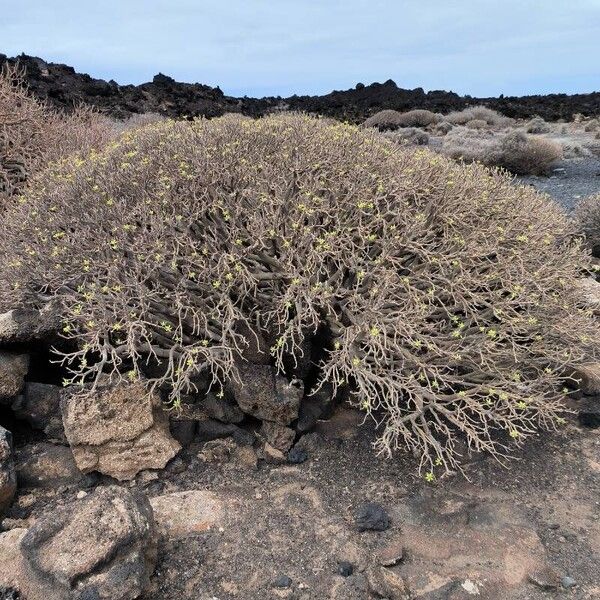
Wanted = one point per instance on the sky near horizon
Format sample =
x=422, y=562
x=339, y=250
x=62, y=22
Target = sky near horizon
x=282, y=47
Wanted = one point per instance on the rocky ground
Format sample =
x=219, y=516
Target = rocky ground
x=570, y=181
x=109, y=496
x=233, y=526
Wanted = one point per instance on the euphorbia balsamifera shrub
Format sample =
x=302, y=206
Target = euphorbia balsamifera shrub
x=446, y=291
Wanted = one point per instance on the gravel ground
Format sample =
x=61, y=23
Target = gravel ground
x=570, y=181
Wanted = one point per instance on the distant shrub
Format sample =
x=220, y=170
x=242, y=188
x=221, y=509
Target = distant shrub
x=409, y=135
x=592, y=125
x=32, y=134
x=573, y=148
x=389, y=120
x=443, y=128
x=478, y=113
x=384, y=120
x=515, y=151
x=537, y=125
x=476, y=124
x=443, y=294
x=587, y=216
x=469, y=144
x=418, y=118
x=525, y=155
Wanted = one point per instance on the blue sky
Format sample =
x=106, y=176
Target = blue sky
x=281, y=47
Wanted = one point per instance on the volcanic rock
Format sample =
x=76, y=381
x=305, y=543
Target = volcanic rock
x=119, y=430
x=8, y=480
x=102, y=546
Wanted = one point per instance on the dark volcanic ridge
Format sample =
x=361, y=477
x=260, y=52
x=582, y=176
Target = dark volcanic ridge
x=63, y=87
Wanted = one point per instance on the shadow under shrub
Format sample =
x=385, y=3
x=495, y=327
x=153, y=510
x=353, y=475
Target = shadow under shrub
x=447, y=292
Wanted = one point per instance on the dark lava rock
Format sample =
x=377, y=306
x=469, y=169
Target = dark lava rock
x=64, y=88
x=345, y=568
x=221, y=409
x=283, y=581
x=243, y=437
x=39, y=405
x=45, y=465
x=9, y=594
x=13, y=368
x=183, y=430
x=280, y=437
x=8, y=479
x=297, y=456
x=264, y=394
x=210, y=429
x=315, y=407
x=27, y=326
x=589, y=412
x=372, y=517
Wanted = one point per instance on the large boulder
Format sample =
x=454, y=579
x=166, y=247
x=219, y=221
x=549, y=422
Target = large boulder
x=118, y=430
x=8, y=480
x=590, y=294
x=24, y=326
x=264, y=394
x=39, y=405
x=100, y=547
x=13, y=368
x=11, y=563
x=45, y=465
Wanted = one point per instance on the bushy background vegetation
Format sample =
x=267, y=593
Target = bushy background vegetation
x=441, y=293
x=478, y=134
x=32, y=134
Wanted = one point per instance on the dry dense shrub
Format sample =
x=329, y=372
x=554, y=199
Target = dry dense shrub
x=443, y=128
x=514, y=151
x=418, y=118
x=389, y=120
x=478, y=113
x=445, y=293
x=537, y=125
x=476, y=124
x=525, y=155
x=592, y=125
x=587, y=216
x=384, y=120
x=32, y=134
x=408, y=135
x=469, y=144
x=573, y=148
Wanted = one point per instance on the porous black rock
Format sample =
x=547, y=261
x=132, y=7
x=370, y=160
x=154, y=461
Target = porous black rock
x=297, y=456
x=345, y=568
x=282, y=581
x=371, y=516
